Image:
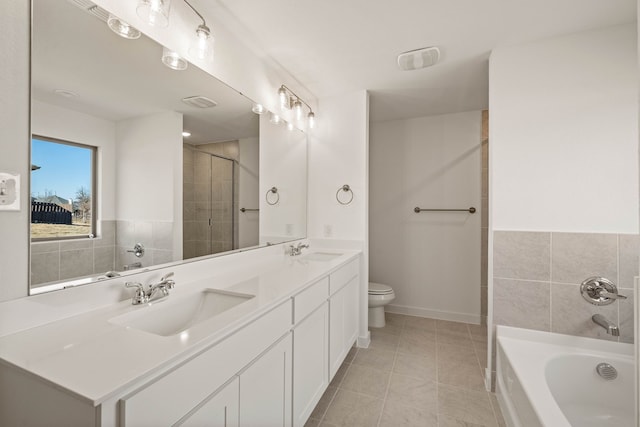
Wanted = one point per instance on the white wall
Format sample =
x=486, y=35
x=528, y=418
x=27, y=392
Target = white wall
x=283, y=158
x=339, y=155
x=563, y=132
x=149, y=171
x=431, y=259
x=249, y=197
x=68, y=125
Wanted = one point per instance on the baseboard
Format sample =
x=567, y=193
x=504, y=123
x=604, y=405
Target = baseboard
x=474, y=319
x=364, y=341
x=487, y=379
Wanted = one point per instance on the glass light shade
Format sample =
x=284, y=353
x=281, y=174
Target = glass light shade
x=258, y=108
x=290, y=126
x=275, y=119
x=122, y=28
x=311, y=120
x=202, y=47
x=284, y=98
x=154, y=12
x=297, y=109
x=172, y=60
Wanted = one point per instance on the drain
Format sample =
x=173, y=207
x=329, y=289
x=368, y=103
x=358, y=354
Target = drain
x=607, y=371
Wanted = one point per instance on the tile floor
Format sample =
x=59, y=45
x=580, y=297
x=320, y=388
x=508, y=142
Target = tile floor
x=416, y=372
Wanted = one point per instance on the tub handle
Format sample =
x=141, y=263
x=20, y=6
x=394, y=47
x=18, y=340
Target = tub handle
x=600, y=291
x=603, y=293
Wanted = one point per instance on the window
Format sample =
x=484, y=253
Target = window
x=62, y=189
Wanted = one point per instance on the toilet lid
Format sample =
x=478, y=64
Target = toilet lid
x=379, y=289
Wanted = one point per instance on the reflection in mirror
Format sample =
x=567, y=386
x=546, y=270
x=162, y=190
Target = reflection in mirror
x=158, y=195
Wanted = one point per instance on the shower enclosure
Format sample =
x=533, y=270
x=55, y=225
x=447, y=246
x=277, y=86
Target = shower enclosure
x=210, y=189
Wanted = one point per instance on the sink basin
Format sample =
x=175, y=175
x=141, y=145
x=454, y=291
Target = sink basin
x=167, y=317
x=321, y=256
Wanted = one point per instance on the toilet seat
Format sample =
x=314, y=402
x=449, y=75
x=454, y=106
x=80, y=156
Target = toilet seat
x=379, y=289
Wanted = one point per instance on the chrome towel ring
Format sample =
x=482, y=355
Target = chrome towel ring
x=345, y=188
x=272, y=202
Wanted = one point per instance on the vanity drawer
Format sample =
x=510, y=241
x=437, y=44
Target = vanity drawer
x=310, y=299
x=167, y=400
x=343, y=275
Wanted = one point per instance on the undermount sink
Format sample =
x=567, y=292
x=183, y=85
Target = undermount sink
x=169, y=317
x=321, y=256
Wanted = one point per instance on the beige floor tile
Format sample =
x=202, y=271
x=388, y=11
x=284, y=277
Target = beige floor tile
x=353, y=410
x=414, y=392
x=496, y=410
x=398, y=415
x=340, y=374
x=312, y=422
x=460, y=338
x=375, y=358
x=460, y=375
x=327, y=424
x=323, y=404
x=417, y=347
x=390, y=328
x=360, y=379
x=384, y=340
x=445, y=325
x=351, y=355
x=419, y=334
x=457, y=354
x=445, y=421
x=420, y=323
x=425, y=368
x=465, y=405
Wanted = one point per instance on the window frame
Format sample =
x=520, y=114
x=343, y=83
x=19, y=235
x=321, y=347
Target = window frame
x=94, y=194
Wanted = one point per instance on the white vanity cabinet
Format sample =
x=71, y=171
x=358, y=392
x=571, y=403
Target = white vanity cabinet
x=219, y=410
x=343, y=314
x=310, y=349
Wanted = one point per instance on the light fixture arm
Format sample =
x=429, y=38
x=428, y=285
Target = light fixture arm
x=296, y=96
x=196, y=12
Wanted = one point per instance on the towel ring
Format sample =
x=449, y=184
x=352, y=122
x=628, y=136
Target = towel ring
x=273, y=190
x=346, y=189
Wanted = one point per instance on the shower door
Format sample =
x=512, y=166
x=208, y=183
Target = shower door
x=208, y=209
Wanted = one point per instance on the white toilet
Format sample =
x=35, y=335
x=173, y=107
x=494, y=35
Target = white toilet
x=379, y=296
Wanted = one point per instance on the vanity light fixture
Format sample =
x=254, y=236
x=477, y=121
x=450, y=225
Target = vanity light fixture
x=202, y=47
x=154, y=12
x=290, y=126
x=122, y=28
x=172, y=60
x=275, y=119
x=258, y=108
x=289, y=100
x=186, y=134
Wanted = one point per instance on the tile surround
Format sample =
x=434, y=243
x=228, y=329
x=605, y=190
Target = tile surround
x=416, y=372
x=537, y=277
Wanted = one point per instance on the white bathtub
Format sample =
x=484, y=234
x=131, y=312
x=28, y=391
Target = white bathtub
x=550, y=380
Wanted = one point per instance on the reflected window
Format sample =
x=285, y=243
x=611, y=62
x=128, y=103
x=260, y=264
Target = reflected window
x=63, y=199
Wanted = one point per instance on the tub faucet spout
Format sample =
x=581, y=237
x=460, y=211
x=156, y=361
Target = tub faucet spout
x=611, y=328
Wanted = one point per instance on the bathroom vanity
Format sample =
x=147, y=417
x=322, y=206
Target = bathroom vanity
x=240, y=350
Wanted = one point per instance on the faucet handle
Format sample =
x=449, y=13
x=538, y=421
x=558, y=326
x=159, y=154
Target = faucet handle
x=141, y=296
x=605, y=294
x=170, y=283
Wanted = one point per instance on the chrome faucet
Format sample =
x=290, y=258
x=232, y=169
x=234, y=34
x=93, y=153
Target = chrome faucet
x=158, y=291
x=611, y=328
x=297, y=250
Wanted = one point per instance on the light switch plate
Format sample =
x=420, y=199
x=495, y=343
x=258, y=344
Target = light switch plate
x=9, y=192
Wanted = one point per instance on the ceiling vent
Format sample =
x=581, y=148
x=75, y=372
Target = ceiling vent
x=92, y=9
x=419, y=58
x=199, y=101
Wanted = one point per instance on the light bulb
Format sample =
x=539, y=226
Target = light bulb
x=297, y=108
x=202, y=46
x=275, y=119
x=311, y=120
x=284, y=98
x=172, y=60
x=154, y=12
x=258, y=108
x=290, y=126
x=121, y=28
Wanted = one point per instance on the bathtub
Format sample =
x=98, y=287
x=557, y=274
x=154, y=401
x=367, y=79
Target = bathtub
x=550, y=380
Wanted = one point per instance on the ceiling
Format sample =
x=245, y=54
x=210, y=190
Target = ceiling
x=116, y=79
x=335, y=46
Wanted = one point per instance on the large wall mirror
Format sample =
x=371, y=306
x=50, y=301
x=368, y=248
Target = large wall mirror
x=135, y=164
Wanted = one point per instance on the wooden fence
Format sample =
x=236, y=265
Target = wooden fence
x=49, y=213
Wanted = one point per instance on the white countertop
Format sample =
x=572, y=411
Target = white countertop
x=93, y=359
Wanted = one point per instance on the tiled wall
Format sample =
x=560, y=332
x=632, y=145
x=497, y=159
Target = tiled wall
x=59, y=260
x=155, y=236
x=537, y=276
x=484, y=220
x=208, y=194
